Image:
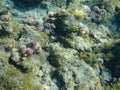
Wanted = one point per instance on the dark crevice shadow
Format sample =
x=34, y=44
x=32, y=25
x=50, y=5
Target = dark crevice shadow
x=114, y=62
x=59, y=79
x=18, y=66
x=23, y=6
x=3, y=34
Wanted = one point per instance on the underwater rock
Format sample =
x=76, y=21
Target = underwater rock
x=7, y=27
x=35, y=24
x=5, y=22
x=61, y=20
x=59, y=44
x=98, y=15
x=102, y=34
x=84, y=46
x=71, y=71
x=49, y=28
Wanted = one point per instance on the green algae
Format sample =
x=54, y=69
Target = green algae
x=73, y=28
x=13, y=79
x=55, y=58
x=79, y=14
x=65, y=41
x=108, y=57
x=28, y=82
x=115, y=86
x=14, y=30
x=40, y=87
x=90, y=58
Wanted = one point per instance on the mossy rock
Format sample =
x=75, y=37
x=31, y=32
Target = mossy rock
x=91, y=58
x=73, y=28
x=65, y=41
x=79, y=14
x=55, y=59
x=114, y=86
x=12, y=79
x=13, y=30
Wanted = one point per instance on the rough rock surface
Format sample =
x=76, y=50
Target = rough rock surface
x=59, y=45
